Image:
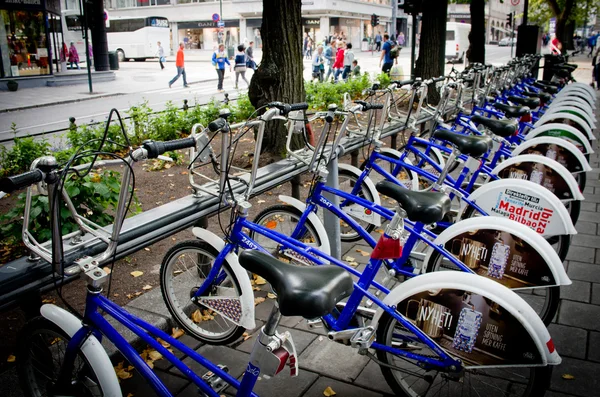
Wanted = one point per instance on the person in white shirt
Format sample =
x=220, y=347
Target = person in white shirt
x=348, y=59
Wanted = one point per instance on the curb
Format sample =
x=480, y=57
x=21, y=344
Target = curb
x=67, y=101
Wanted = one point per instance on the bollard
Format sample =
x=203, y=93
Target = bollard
x=331, y=221
x=185, y=105
x=202, y=222
x=354, y=158
x=72, y=125
x=394, y=141
x=296, y=187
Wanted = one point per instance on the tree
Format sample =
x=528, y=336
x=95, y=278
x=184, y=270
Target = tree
x=476, y=50
x=432, y=46
x=279, y=76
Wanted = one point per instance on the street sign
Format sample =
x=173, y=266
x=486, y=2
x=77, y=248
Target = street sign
x=220, y=24
x=515, y=2
x=216, y=17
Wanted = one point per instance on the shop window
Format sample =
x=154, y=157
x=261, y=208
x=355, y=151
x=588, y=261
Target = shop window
x=26, y=44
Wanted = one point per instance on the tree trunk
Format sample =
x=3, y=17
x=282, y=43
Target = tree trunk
x=562, y=16
x=432, y=46
x=279, y=76
x=477, y=35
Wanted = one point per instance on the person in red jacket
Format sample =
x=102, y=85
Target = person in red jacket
x=338, y=65
x=180, y=67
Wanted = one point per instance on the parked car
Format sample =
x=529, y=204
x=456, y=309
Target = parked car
x=507, y=41
x=457, y=40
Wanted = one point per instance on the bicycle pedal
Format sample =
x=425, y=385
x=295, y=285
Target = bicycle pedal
x=363, y=339
x=315, y=323
x=214, y=381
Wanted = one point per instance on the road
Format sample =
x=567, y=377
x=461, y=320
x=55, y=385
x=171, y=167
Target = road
x=144, y=81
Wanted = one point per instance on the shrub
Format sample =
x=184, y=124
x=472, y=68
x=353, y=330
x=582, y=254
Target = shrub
x=18, y=159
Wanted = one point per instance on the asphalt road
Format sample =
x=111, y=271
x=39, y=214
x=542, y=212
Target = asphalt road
x=143, y=81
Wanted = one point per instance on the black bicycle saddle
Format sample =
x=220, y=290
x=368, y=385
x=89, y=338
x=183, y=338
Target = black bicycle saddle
x=471, y=145
x=503, y=128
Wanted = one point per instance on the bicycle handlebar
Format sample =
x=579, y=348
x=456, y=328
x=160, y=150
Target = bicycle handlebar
x=155, y=149
x=12, y=183
x=402, y=83
x=285, y=108
x=368, y=106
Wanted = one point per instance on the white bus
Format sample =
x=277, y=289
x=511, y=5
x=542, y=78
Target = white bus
x=135, y=38
x=132, y=38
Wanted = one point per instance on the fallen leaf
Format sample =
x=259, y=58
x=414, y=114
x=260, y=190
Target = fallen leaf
x=349, y=259
x=271, y=296
x=258, y=301
x=116, y=295
x=129, y=394
x=146, y=249
x=255, y=288
x=329, y=392
x=136, y=273
x=353, y=264
x=164, y=343
x=178, y=272
x=173, y=238
x=54, y=341
x=150, y=363
x=121, y=372
x=363, y=253
x=199, y=316
x=154, y=355
x=261, y=201
x=11, y=359
x=107, y=269
x=49, y=300
x=271, y=224
x=568, y=376
x=258, y=280
x=129, y=296
x=246, y=336
x=138, y=293
x=177, y=332
x=380, y=231
x=147, y=287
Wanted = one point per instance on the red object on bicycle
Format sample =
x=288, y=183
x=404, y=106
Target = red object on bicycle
x=387, y=248
x=526, y=118
x=309, y=134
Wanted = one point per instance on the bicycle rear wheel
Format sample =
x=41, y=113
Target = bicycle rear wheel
x=42, y=346
x=405, y=378
x=183, y=270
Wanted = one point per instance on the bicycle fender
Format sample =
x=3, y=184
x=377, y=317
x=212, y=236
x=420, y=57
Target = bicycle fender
x=578, y=90
x=525, y=202
x=367, y=181
x=544, y=171
x=550, y=117
x=527, y=258
x=92, y=348
x=441, y=300
x=575, y=92
x=575, y=111
x=566, y=153
x=586, y=87
x=576, y=102
x=414, y=178
x=247, y=297
x=319, y=228
x=563, y=131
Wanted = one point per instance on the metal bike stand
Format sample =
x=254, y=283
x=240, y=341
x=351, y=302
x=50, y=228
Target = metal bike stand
x=331, y=221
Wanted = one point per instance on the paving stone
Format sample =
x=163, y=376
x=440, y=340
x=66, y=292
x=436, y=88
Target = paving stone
x=590, y=216
x=301, y=340
x=588, y=190
x=584, y=272
x=152, y=301
x=333, y=359
x=585, y=240
x=235, y=360
x=317, y=329
x=581, y=254
x=591, y=197
x=358, y=257
x=8, y=380
x=586, y=228
x=578, y=291
x=594, y=347
x=372, y=378
x=579, y=314
x=263, y=311
x=187, y=340
x=592, y=182
x=596, y=294
x=341, y=389
x=586, y=382
x=138, y=386
x=569, y=341
x=587, y=206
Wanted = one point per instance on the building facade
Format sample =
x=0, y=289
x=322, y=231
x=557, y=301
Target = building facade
x=191, y=21
x=495, y=17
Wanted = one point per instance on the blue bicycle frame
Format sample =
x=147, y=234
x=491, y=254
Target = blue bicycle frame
x=239, y=239
x=95, y=323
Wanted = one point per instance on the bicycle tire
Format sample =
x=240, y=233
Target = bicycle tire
x=32, y=332
x=574, y=208
x=179, y=312
x=539, y=380
x=269, y=213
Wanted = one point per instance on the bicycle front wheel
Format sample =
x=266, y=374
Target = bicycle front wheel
x=184, y=269
x=405, y=378
x=42, y=346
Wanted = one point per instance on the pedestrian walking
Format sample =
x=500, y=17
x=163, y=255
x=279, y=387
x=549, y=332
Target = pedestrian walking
x=91, y=54
x=179, y=63
x=161, y=55
x=348, y=59
x=305, y=46
x=355, y=69
x=73, y=56
x=401, y=39
x=329, y=55
x=338, y=65
x=250, y=56
x=386, y=55
x=240, y=65
x=592, y=43
x=318, y=64
x=219, y=59
x=378, y=41
x=309, y=46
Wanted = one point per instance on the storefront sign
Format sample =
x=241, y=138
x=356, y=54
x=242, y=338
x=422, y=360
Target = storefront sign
x=459, y=16
x=207, y=24
x=311, y=21
x=22, y=4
